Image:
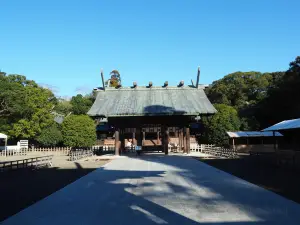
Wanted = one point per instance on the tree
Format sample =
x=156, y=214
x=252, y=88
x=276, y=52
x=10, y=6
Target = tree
x=63, y=107
x=226, y=119
x=244, y=91
x=81, y=104
x=115, y=79
x=50, y=136
x=36, y=113
x=24, y=106
x=282, y=100
x=78, y=131
x=240, y=89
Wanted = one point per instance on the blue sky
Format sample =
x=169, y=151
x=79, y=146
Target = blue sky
x=64, y=44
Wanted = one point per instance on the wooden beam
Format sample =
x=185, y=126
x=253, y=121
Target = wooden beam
x=188, y=146
x=117, y=142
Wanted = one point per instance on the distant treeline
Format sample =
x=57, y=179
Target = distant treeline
x=253, y=101
x=28, y=111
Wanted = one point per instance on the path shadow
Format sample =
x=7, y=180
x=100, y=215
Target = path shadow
x=125, y=196
x=221, y=187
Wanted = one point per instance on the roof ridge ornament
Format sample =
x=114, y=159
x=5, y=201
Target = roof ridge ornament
x=198, y=77
x=102, y=76
x=181, y=83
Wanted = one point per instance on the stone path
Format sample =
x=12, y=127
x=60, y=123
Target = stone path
x=159, y=190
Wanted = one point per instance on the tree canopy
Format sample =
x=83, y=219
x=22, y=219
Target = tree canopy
x=50, y=136
x=25, y=107
x=226, y=119
x=78, y=131
x=261, y=99
x=115, y=79
x=28, y=110
x=81, y=104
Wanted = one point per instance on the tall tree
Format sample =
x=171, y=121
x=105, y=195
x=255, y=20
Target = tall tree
x=24, y=106
x=81, y=104
x=282, y=100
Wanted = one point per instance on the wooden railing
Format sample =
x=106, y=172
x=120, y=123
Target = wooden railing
x=76, y=154
x=219, y=151
x=35, y=162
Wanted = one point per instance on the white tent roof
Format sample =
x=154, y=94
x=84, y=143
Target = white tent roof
x=285, y=125
x=238, y=134
x=3, y=136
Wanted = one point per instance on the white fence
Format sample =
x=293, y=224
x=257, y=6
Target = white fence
x=204, y=148
x=208, y=149
x=24, y=151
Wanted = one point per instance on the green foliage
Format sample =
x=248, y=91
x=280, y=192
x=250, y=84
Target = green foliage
x=115, y=79
x=226, y=119
x=63, y=107
x=282, y=101
x=25, y=108
x=78, y=131
x=244, y=91
x=50, y=136
x=240, y=89
x=81, y=104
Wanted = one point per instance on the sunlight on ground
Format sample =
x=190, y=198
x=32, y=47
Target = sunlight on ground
x=149, y=215
x=179, y=193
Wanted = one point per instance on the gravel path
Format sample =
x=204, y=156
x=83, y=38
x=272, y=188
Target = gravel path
x=159, y=190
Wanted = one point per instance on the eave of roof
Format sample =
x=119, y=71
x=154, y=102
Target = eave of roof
x=285, y=125
x=243, y=134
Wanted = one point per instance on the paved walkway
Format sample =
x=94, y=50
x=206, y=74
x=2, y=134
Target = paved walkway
x=159, y=190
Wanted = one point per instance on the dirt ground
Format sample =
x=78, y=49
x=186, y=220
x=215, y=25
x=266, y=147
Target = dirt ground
x=21, y=188
x=281, y=180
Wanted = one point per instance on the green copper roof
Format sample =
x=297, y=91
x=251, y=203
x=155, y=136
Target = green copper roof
x=155, y=101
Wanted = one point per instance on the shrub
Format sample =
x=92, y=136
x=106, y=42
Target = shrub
x=50, y=136
x=78, y=131
x=226, y=119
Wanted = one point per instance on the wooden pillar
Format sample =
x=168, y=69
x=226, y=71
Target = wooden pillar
x=158, y=138
x=122, y=139
x=180, y=139
x=163, y=138
x=166, y=141
x=233, y=144
x=117, y=142
x=188, y=146
x=133, y=138
x=274, y=140
x=184, y=141
x=143, y=142
x=276, y=152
